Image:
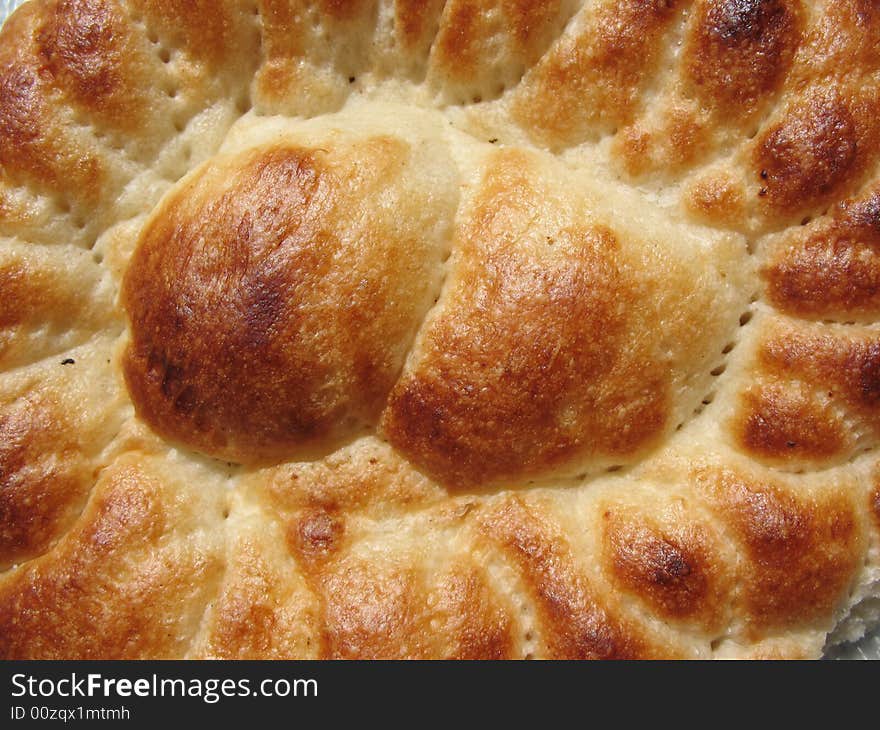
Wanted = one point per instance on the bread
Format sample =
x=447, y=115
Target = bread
x=409, y=328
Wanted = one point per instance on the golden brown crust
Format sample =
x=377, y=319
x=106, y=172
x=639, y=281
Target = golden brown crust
x=484, y=404
x=717, y=198
x=781, y=423
x=250, y=620
x=389, y=614
x=368, y=475
x=585, y=378
x=815, y=400
x=56, y=418
x=457, y=47
x=483, y=46
x=676, y=571
x=44, y=481
x=264, y=609
x=234, y=277
x=843, y=40
x=373, y=610
x=370, y=614
x=85, y=46
x=802, y=551
x=738, y=52
x=415, y=22
x=34, y=147
x=352, y=597
x=829, y=269
x=573, y=625
x=118, y=571
x=735, y=57
x=303, y=70
x=590, y=79
x=850, y=367
x=459, y=293
x=216, y=33
x=821, y=145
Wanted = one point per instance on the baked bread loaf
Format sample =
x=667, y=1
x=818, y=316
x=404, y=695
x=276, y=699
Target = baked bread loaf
x=439, y=328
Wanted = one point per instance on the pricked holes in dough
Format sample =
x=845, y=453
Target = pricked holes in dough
x=721, y=368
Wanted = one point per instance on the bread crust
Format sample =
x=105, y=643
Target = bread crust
x=473, y=329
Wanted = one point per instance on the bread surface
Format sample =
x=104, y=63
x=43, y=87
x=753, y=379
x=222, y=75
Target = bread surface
x=439, y=329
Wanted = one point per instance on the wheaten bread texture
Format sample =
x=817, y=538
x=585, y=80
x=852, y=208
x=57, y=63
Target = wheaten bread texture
x=463, y=329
